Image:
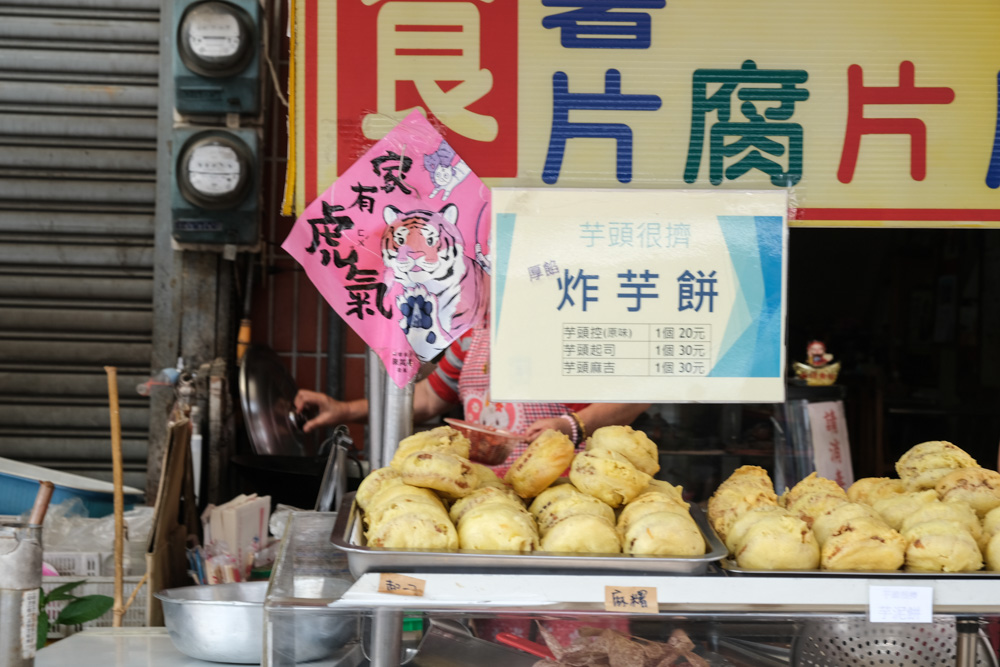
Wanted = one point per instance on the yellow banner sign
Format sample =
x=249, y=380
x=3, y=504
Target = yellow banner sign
x=868, y=112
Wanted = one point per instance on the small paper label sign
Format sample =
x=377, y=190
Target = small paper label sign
x=400, y=584
x=900, y=604
x=633, y=599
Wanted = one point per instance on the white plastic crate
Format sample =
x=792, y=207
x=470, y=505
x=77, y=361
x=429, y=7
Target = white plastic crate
x=135, y=617
x=79, y=564
x=89, y=564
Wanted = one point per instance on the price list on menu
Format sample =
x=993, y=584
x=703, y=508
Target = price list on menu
x=636, y=350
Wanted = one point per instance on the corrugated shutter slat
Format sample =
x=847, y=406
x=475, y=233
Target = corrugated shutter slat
x=86, y=382
x=78, y=119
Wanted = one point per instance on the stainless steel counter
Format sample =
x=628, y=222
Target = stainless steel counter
x=140, y=647
x=116, y=647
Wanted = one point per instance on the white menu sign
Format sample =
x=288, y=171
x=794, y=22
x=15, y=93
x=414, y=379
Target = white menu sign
x=900, y=604
x=638, y=295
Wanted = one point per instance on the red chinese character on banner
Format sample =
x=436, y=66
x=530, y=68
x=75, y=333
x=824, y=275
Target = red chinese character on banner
x=835, y=451
x=859, y=95
x=830, y=418
x=454, y=60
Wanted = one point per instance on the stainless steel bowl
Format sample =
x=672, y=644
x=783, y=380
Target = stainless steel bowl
x=225, y=623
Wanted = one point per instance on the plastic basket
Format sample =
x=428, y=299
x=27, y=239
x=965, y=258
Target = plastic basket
x=134, y=617
x=80, y=564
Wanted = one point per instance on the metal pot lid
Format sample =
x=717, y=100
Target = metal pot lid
x=267, y=394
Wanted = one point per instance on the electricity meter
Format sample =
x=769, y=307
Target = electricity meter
x=216, y=63
x=215, y=186
x=214, y=170
x=215, y=39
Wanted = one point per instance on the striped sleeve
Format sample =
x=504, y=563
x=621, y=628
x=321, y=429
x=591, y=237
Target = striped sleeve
x=444, y=379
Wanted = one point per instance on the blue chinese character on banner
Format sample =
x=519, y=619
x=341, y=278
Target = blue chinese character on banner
x=637, y=289
x=620, y=234
x=649, y=234
x=569, y=284
x=753, y=135
x=680, y=234
x=596, y=25
x=687, y=293
x=993, y=172
x=591, y=232
x=611, y=99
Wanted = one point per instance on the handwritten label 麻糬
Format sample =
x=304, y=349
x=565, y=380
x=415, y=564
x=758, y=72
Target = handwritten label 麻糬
x=633, y=599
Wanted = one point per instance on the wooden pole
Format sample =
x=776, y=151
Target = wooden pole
x=119, y=498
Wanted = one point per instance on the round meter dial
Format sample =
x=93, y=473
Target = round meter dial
x=216, y=39
x=214, y=170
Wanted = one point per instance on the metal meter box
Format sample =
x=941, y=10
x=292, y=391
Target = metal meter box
x=217, y=56
x=215, y=186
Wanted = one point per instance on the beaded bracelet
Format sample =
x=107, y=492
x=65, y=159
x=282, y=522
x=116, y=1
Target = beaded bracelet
x=579, y=422
x=574, y=432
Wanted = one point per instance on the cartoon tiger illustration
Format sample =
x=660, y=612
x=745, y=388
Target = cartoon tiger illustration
x=423, y=251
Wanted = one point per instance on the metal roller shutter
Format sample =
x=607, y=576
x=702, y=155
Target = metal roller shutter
x=78, y=136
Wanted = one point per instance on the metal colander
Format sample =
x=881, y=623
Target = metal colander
x=853, y=641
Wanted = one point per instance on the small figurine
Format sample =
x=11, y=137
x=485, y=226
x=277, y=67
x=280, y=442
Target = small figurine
x=817, y=354
x=820, y=369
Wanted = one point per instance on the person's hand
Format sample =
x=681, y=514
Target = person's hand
x=324, y=410
x=557, y=423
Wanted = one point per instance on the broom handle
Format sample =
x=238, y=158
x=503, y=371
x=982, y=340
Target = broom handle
x=119, y=500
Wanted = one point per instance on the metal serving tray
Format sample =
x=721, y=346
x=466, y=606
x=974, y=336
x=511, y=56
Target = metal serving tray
x=729, y=566
x=348, y=536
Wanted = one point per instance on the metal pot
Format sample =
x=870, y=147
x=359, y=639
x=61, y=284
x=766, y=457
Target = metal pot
x=225, y=623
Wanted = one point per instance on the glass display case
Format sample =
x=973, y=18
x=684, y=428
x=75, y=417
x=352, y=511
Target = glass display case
x=718, y=618
x=309, y=575
x=700, y=445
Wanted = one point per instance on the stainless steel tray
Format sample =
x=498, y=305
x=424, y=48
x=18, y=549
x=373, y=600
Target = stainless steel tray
x=347, y=536
x=729, y=566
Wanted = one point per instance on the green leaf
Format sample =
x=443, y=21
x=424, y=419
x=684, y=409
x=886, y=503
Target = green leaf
x=62, y=592
x=43, y=630
x=84, y=609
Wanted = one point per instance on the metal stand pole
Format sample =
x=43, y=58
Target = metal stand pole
x=387, y=637
x=390, y=412
x=375, y=377
x=968, y=641
x=398, y=420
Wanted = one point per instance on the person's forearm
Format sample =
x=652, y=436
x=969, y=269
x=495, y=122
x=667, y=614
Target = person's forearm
x=596, y=415
x=426, y=403
x=357, y=410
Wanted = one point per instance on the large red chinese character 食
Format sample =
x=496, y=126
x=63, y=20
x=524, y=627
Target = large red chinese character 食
x=437, y=56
